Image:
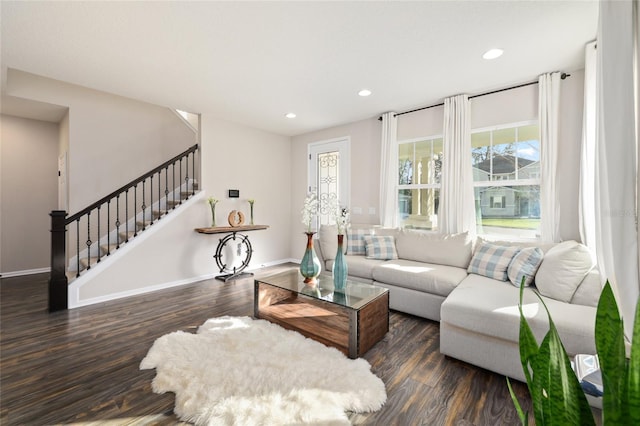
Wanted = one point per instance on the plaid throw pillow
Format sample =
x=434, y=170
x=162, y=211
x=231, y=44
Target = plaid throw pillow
x=525, y=264
x=380, y=247
x=492, y=260
x=355, y=242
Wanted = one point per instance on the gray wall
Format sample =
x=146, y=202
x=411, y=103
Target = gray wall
x=28, y=192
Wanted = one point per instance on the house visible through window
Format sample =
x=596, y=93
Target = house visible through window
x=506, y=174
x=419, y=173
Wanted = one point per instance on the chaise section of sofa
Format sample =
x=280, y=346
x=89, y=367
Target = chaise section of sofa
x=480, y=318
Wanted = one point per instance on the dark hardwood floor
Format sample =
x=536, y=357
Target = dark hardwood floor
x=81, y=366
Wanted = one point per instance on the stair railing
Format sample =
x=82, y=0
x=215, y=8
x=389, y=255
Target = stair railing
x=125, y=212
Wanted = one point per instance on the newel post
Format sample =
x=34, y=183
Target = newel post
x=58, y=280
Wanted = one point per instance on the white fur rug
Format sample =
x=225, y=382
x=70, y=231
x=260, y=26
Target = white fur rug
x=240, y=371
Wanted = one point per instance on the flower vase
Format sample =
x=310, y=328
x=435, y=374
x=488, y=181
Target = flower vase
x=340, y=269
x=251, y=213
x=213, y=215
x=310, y=264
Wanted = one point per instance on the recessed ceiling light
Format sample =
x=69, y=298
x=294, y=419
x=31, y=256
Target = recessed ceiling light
x=364, y=92
x=493, y=53
x=290, y=115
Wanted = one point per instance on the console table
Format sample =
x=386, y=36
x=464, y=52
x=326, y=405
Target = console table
x=233, y=234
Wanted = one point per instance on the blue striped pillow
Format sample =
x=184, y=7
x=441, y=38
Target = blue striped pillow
x=355, y=242
x=381, y=247
x=525, y=264
x=492, y=260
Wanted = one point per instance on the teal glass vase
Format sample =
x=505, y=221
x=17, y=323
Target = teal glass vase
x=310, y=264
x=340, y=269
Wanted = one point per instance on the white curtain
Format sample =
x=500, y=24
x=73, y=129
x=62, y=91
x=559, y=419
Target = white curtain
x=389, y=171
x=457, y=206
x=587, y=207
x=616, y=168
x=548, y=108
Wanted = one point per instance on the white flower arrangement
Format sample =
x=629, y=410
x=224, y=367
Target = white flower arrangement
x=251, y=201
x=309, y=210
x=340, y=215
x=212, y=201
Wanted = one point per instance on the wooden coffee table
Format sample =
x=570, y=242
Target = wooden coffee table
x=352, y=320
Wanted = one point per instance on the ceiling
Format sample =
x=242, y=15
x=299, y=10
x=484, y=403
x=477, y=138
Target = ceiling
x=253, y=62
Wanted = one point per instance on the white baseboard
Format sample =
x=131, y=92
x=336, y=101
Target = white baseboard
x=25, y=272
x=75, y=302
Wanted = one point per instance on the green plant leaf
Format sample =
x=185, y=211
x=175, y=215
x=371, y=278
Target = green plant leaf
x=633, y=384
x=611, y=354
x=524, y=417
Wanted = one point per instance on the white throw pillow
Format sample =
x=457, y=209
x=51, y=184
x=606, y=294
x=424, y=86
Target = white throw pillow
x=563, y=269
x=525, y=264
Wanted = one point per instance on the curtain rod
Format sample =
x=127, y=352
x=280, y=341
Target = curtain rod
x=563, y=76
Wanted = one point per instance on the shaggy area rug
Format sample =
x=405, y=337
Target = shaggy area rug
x=240, y=371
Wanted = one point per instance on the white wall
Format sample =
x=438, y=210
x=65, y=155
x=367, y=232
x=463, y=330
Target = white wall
x=259, y=165
x=365, y=174
x=112, y=139
x=29, y=191
x=501, y=108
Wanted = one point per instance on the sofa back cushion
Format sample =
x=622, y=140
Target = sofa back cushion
x=563, y=269
x=450, y=250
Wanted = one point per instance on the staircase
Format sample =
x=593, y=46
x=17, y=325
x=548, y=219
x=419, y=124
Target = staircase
x=110, y=244
x=111, y=222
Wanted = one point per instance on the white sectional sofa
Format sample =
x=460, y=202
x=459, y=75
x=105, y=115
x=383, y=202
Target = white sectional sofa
x=479, y=318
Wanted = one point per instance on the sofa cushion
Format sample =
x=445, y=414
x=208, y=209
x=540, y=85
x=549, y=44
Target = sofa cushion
x=492, y=260
x=380, y=247
x=589, y=290
x=490, y=307
x=451, y=250
x=355, y=241
x=563, y=269
x=360, y=266
x=525, y=264
x=327, y=237
x=427, y=277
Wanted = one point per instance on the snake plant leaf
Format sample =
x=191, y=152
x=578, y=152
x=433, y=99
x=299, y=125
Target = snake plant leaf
x=522, y=415
x=555, y=391
x=611, y=354
x=633, y=387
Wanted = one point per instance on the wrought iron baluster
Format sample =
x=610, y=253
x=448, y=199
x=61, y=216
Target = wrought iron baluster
x=166, y=188
x=193, y=172
x=159, y=184
x=143, y=206
x=150, y=200
x=118, y=222
x=78, y=246
x=108, y=223
x=99, y=249
x=174, y=184
x=135, y=210
x=88, y=241
x=186, y=178
x=180, y=169
x=126, y=216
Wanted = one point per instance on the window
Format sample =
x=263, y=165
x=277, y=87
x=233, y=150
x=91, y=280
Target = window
x=506, y=174
x=419, y=173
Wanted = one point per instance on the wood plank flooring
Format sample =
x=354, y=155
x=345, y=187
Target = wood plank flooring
x=81, y=366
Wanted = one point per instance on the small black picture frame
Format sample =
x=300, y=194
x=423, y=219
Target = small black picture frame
x=234, y=193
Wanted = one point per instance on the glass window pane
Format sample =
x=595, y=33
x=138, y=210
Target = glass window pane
x=405, y=164
x=424, y=162
x=438, y=149
x=481, y=156
x=504, y=154
x=418, y=208
x=328, y=184
x=508, y=211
